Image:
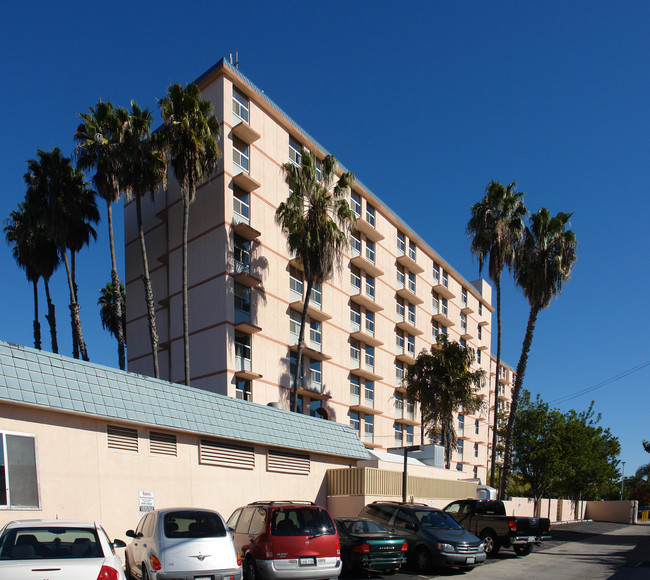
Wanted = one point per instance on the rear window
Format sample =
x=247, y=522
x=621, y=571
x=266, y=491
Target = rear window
x=301, y=522
x=379, y=513
x=436, y=519
x=56, y=542
x=193, y=524
x=362, y=527
x=490, y=508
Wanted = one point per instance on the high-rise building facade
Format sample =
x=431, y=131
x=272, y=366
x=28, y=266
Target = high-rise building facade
x=390, y=299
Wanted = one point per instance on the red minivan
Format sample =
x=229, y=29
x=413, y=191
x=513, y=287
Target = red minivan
x=286, y=540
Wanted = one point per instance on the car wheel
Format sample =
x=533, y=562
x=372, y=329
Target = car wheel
x=250, y=569
x=522, y=549
x=127, y=568
x=491, y=542
x=145, y=574
x=422, y=560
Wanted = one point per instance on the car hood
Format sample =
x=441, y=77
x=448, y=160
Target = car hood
x=68, y=569
x=451, y=536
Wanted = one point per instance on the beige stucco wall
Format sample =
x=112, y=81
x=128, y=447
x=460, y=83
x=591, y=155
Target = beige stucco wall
x=81, y=478
x=624, y=512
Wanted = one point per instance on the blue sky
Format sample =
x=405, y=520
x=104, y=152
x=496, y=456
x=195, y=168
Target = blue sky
x=425, y=103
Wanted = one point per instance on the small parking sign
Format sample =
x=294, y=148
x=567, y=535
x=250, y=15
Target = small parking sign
x=145, y=501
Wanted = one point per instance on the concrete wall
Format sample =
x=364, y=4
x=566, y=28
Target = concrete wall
x=624, y=512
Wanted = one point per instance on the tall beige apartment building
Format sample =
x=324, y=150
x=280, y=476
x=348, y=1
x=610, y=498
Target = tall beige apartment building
x=390, y=299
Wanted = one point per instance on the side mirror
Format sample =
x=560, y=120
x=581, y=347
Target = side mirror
x=119, y=543
x=130, y=534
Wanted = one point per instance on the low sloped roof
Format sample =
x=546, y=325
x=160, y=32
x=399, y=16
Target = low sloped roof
x=49, y=381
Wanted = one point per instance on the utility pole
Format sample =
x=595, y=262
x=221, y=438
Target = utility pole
x=622, y=479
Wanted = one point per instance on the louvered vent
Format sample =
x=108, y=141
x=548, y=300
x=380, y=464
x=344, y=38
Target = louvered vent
x=162, y=443
x=122, y=438
x=226, y=455
x=287, y=462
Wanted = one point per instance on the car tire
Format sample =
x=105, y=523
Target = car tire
x=127, y=568
x=250, y=569
x=422, y=561
x=523, y=549
x=145, y=574
x=491, y=542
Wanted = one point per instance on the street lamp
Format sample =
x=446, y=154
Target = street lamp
x=622, y=479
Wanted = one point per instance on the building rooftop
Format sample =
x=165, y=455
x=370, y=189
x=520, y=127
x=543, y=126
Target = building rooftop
x=49, y=381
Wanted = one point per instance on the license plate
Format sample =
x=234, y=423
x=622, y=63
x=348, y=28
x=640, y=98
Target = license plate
x=470, y=560
x=202, y=577
x=306, y=561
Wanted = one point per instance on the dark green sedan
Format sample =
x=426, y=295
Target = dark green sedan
x=367, y=546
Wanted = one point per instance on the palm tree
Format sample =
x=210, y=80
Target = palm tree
x=497, y=225
x=316, y=219
x=441, y=382
x=107, y=310
x=190, y=134
x=144, y=170
x=99, y=139
x=59, y=194
x=543, y=265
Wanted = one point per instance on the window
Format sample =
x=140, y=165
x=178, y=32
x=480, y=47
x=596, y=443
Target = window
x=411, y=346
x=460, y=450
x=475, y=472
x=369, y=428
x=355, y=389
x=445, y=279
x=294, y=327
x=242, y=303
x=411, y=313
x=412, y=251
x=370, y=288
x=463, y=323
x=295, y=156
x=369, y=391
x=355, y=354
x=243, y=390
x=355, y=280
x=243, y=352
x=400, y=278
x=410, y=410
x=436, y=274
x=398, y=434
x=479, y=332
x=444, y=307
x=370, y=358
x=242, y=254
x=399, y=307
x=354, y=421
x=399, y=342
x=315, y=334
x=463, y=343
x=355, y=245
x=435, y=330
x=355, y=317
x=295, y=284
x=475, y=449
x=399, y=406
x=370, y=252
x=241, y=156
x=401, y=244
x=478, y=356
x=461, y=424
x=241, y=206
x=370, y=214
x=18, y=476
x=399, y=374
x=355, y=204
x=480, y=309
x=239, y=107
x=459, y=467
x=293, y=364
x=409, y=434
x=316, y=376
x=436, y=304
x=477, y=425
x=464, y=297
x=412, y=282
x=316, y=298
x=370, y=323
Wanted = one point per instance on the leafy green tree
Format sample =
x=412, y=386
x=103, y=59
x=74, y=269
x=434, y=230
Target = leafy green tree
x=441, y=382
x=58, y=192
x=316, y=219
x=99, y=138
x=144, y=170
x=107, y=310
x=497, y=226
x=190, y=134
x=538, y=455
x=543, y=264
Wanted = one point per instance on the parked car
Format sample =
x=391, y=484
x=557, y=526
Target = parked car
x=183, y=544
x=367, y=546
x=488, y=520
x=434, y=538
x=286, y=540
x=70, y=550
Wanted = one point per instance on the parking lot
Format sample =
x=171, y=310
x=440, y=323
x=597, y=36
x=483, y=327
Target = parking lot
x=593, y=550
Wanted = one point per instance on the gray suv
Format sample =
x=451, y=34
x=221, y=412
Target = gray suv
x=434, y=538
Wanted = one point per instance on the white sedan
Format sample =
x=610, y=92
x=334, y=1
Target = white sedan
x=58, y=550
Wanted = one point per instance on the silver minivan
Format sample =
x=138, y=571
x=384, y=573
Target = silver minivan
x=182, y=543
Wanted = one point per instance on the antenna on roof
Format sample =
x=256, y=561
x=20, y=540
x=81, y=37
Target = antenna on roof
x=236, y=63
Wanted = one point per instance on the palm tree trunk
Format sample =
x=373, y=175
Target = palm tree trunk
x=75, y=342
x=51, y=317
x=301, y=338
x=74, y=311
x=496, y=387
x=117, y=295
x=148, y=292
x=186, y=332
x=519, y=381
x=37, y=324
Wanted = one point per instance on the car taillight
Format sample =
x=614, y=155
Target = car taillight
x=363, y=548
x=155, y=562
x=549, y=527
x=108, y=573
x=512, y=524
x=338, y=545
x=405, y=547
x=238, y=559
x=268, y=550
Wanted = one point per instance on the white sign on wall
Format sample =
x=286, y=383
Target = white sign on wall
x=145, y=501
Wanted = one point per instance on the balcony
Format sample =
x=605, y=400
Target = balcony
x=466, y=310
x=363, y=263
x=245, y=132
x=368, y=230
x=245, y=230
x=359, y=408
x=243, y=369
x=408, y=295
x=313, y=311
x=466, y=335
x=312, y=353
x=366, y=301
x=410, y=264
x=241, y=273
x=246, y=182
x=366, y=373
x=246, y=327
x=442, y=319
x=483, y=323
x=405, y=357
x=407, y=421
x=443, y=291
x=366, y=338
x=314, y=390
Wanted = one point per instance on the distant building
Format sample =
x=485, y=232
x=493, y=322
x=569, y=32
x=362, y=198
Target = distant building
x=393, y=296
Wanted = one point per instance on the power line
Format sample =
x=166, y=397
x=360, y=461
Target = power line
x=618, y=377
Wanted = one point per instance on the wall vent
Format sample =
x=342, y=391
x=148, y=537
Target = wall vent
x=226, y=455
x=285, y=462
x=162, y=443
x=122, y=438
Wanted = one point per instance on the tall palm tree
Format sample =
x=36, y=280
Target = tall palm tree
x=542, y=266
x=190, y=134
x=61, y=197
x=441, y=382
x=144, y=170
x=99, y=138
x=497, y=225
x=316, y=219
x=107, y=311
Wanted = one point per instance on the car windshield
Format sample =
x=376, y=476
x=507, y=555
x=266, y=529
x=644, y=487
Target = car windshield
x=301, y=522
x=193, y=524
x=38, y=543
x=356, y=527
x=436, y=519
